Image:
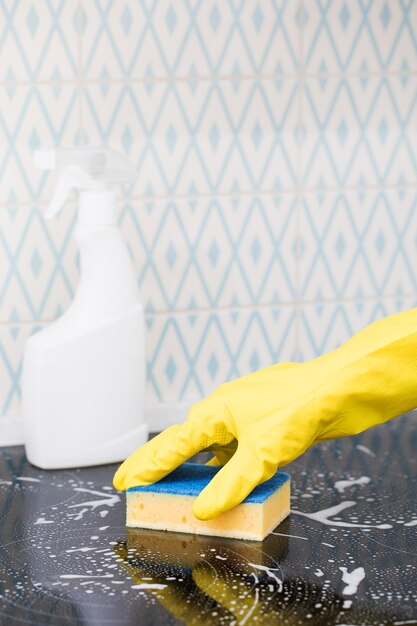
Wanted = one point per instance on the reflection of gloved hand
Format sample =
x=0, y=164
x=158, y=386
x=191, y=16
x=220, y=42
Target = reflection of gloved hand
x=275, y=414
x=173, y=594
x=197, y=588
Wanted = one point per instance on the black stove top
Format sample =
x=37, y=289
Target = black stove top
x=347, y=554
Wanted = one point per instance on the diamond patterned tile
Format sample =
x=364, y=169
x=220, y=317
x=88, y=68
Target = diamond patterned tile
x=149, y=40
x=39, y=40
x=199, y=137
x=216, y=252
x=359, y=36
x=31, y=117
x=359, y=131
x=324, y=327
x=188, y=254
x=358, y=244
x=12, y=342
x=256, y=192
x=40, y=267
x=189, y=355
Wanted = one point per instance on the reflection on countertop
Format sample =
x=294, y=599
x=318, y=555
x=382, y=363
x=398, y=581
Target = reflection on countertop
x=347, y=554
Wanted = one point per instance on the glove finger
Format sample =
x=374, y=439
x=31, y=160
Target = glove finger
x=219, y=458
x=222, y=455
x=232, y=483
x=157, y=457
x=162, y=454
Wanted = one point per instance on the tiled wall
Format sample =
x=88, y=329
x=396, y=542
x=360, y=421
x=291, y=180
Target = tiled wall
x=275, y=211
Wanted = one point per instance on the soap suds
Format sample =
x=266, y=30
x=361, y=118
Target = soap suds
x=270, y=571
x=324, y=515
x=80, y=550
x=77, y=516
x=148, y=586
x=365, y=450
x=341, y=485
x=352, y=580
x=108, y=500
x=85, y=576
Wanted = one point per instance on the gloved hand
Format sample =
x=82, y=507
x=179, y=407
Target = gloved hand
x=260, y=422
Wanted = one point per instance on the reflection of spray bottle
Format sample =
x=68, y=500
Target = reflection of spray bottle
x=83, y=377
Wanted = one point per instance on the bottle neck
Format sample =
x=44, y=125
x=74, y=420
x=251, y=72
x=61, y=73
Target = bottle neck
x=108, y=284
x=97, y=208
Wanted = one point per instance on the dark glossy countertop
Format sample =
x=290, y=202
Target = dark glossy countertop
x=66, y=557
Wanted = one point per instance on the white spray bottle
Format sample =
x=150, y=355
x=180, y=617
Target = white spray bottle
x=83, y=379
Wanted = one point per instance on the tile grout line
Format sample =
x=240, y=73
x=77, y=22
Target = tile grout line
x=305, y=191
x=298, y=76
x=295, y=304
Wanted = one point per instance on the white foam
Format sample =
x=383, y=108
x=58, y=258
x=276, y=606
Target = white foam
x=352, y=580
x=341, y=485
x=324, y=515
x=80, y=550
x=148, y=586
x=78, y=516
x=108, y=500
x=85, y=576
x=365, y=450
x=270, y=571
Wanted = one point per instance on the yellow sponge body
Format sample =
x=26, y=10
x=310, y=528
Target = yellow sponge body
x=168, y=506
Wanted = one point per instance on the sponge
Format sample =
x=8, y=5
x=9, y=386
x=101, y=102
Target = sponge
x=167, y=505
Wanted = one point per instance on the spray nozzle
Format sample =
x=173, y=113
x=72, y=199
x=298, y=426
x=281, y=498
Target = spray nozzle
x=83, y=169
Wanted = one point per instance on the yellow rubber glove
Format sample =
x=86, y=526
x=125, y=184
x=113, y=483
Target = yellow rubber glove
x=275, y=414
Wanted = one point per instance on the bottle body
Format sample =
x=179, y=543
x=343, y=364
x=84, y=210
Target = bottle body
x=84, y=395
x=83, y=378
